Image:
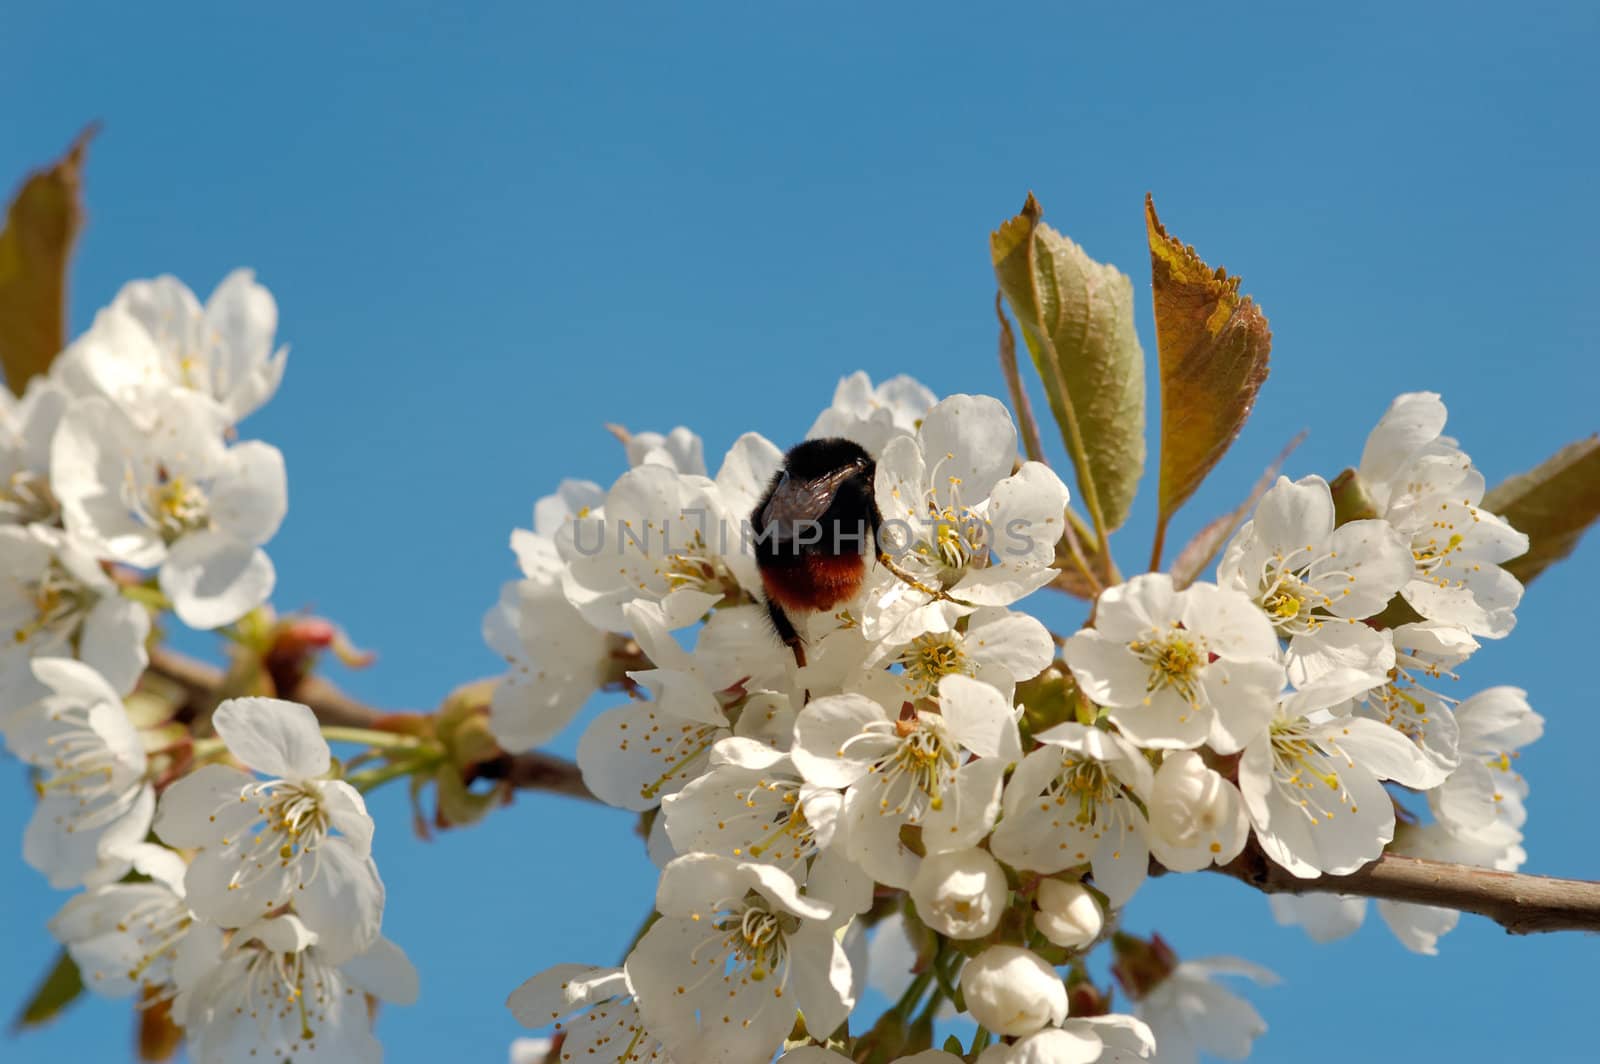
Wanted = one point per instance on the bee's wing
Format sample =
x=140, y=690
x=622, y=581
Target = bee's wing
x=796, y=504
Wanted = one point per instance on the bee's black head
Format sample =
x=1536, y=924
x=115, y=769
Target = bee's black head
x=817, y=458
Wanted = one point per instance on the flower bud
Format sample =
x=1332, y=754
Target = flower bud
x=1196, y=816
x=1141, y=965
x=1068, y=914
x=961, y=894
x=1011, y=991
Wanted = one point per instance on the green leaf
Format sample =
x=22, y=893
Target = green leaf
x=35, y=247
x=1553, y=504
x=1212, y=345
x=1199, y=552
x=58, y=989
x=1076, y=316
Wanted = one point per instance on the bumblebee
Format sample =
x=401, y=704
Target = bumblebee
x=816, y=530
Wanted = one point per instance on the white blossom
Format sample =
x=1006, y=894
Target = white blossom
x=1483, y=797
x=736, y=952
x=293, y=838
x=1424, y=485
x=1076, y=800
x=557, y=661
x=958, y=522
x=155, y=336
x=1189, y=1013
x=1316, y=582
x=56, y=601
x=1012, y=991
x=1196, y=816
x=1424, y=653
x=95, y=798
x=171, y=495
x=872, y=416
x=1175, y=669
x=910, y=770
x=999, y=646
x=593, y=1008
x=1067, y=913
x=128, y=936
x=1311, y=781
x=961, y=894
x=1110, y=1039
x=1327, y=917
x=1323, y=917
x=753, y=806
x=681, y=449
x=556, y=658
x=276, y=994
x=27, y=426
x=636, y=754
x=661, y=536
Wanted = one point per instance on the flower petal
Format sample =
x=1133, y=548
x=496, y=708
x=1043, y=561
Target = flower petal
x=275, y=737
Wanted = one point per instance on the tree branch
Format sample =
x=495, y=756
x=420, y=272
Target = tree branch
x=202, y=684
x=1522, y=904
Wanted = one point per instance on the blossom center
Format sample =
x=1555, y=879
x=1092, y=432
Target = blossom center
x=177, y=505
x=293, y=822
x=1431, y=550
x=81, y=765
x=913, y=762
x=1084, y=783
x=1304, y=773
x=288, y=987
x=959, y=537
x=788, y=827
x=157, y=926
x=58, y=600
x=754, y=938
x=696, y=568
x=1174, y=659
x=1293, y=598
x=930, y=658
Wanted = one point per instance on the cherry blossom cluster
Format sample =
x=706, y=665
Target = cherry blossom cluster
x=948, y=801
x=225, y=871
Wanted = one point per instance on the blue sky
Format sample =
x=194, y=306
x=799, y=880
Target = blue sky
x=491, y=231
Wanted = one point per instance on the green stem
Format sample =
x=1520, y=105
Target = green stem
x=376, y=777
x=947, y=984
x=980, y=1040
x=908, y=1001
x=147, y=595
x=382, y=740
x=935, y=999
x=206, y=749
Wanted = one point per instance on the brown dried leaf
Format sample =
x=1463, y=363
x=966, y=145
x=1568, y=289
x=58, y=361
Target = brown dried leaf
x=159, y=1037
x=1212, y=345
x=35, y=247
x=1554, y=504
